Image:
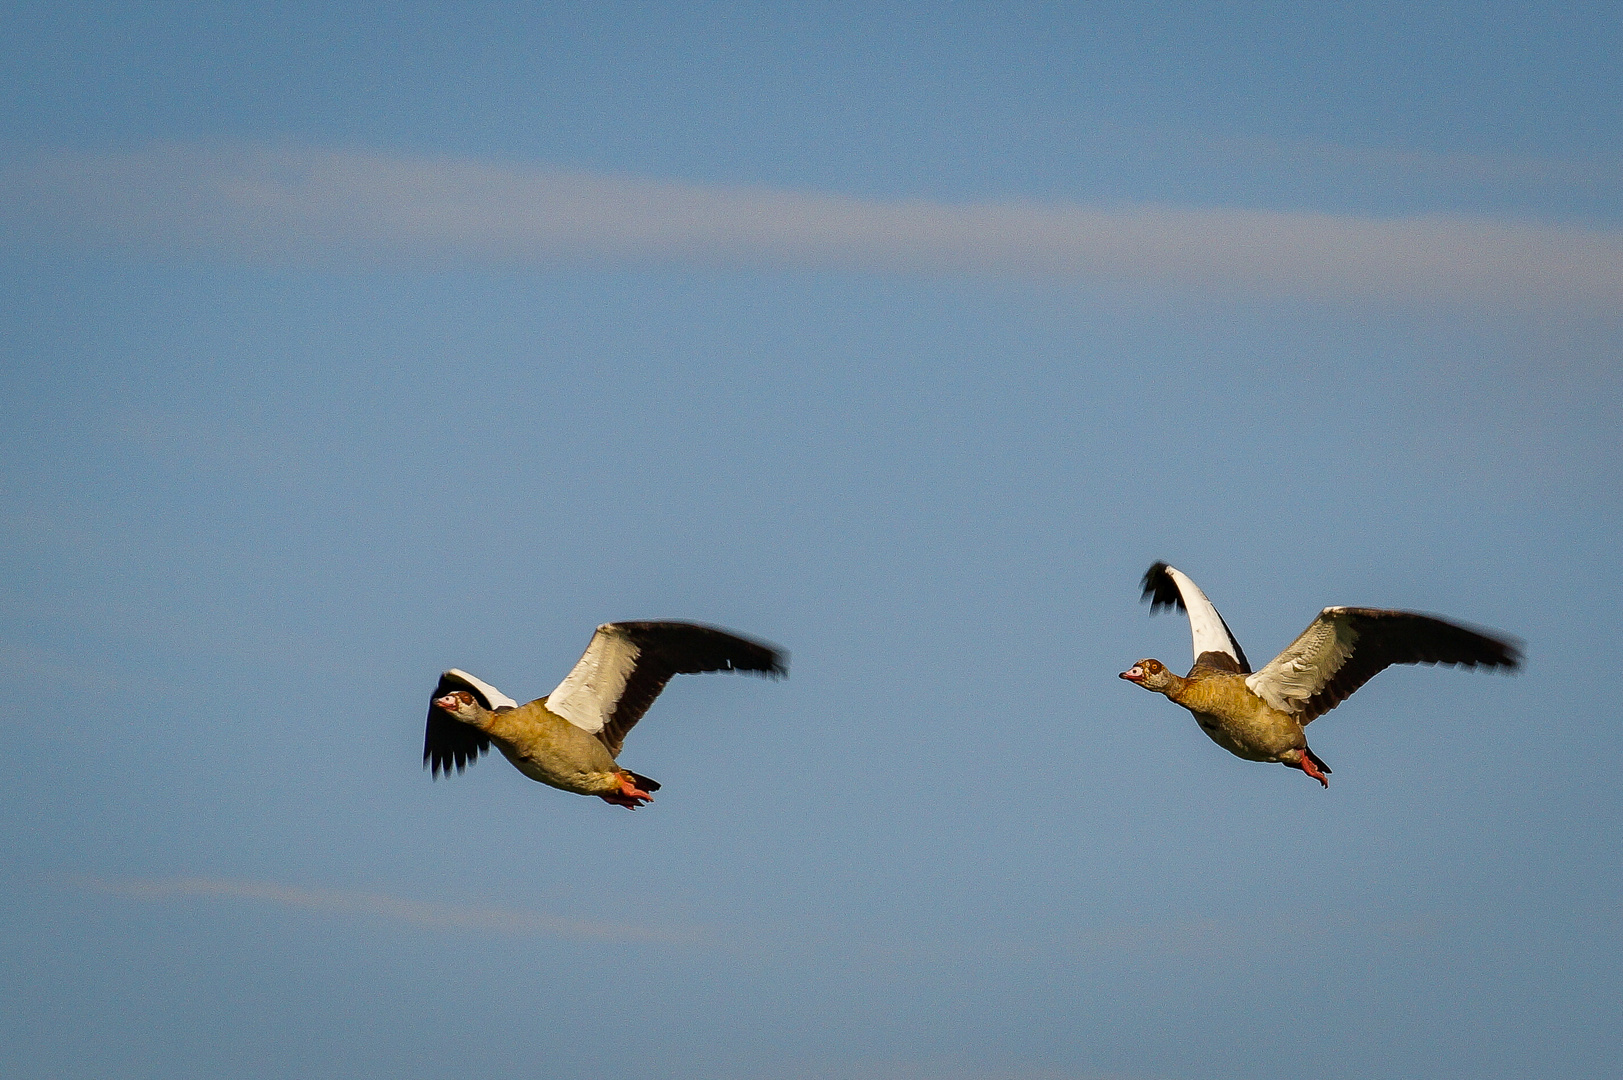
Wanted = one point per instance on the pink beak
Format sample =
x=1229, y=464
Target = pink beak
x=1133, y=674
x=448, y=702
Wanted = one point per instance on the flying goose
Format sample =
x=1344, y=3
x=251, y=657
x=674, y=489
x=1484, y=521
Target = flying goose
x=570, y=738
x=1260, y=715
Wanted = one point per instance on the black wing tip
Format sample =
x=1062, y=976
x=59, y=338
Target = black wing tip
x=753, y=656
x=1498, y=654
x=438, y=766
x=773, y=666
x=441, y=763
x=1160, y=590
x=1486, y=648
x=1502, y=651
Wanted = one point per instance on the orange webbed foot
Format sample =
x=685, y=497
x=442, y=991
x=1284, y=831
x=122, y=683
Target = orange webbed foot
x=1307, y=766
x=629, y=796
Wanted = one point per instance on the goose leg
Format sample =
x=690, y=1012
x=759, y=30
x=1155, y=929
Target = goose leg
x=1307, y=766
x=629, y=796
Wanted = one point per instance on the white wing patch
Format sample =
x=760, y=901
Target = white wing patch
x=497, y=699
x=1206, y=629
x=589, y=694
x=1288, y=680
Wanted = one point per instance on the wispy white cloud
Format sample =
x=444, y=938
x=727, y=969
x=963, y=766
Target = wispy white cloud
x=1196, y=938
x=424, y=913
x=1388, y=166
x=258, y=204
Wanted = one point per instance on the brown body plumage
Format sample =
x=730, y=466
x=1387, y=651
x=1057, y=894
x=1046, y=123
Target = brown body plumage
x=1238, y=720
x=545, y=747
x=1227, y=711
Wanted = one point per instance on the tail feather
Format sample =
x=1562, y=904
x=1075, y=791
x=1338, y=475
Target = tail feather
x=1311, y=756
x=652, y=786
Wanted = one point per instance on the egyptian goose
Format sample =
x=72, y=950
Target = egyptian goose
x=570, y=738
x=1260, y=715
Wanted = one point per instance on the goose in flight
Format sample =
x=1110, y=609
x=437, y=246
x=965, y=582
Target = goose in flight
x=570, y=738
x=1260, y=715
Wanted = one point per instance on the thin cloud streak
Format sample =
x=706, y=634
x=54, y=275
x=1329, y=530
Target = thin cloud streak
x=422, y=913
x=286, y=205
x=1564, y=174
x=1192, y=939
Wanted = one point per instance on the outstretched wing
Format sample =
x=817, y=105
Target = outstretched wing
x=447, y=741
x=1214, y=645
x=1345, y=647
x=627, y=664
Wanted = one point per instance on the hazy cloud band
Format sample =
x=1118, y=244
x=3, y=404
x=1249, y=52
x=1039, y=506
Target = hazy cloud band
x=259, y=205
x=423, y=913
x=1190, y=938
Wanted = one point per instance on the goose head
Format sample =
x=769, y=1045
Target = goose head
x=462, y=705
x=1150, y=674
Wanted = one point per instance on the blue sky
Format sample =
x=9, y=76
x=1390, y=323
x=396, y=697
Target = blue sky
x=344, y=344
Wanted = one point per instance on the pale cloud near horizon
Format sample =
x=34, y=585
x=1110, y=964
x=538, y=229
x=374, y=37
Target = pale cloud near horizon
x=423, y=913
x=1175, y=937
x=1388, y=165
x=1199, y=938
x=257, y=204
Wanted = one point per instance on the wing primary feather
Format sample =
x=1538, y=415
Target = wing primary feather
x=1160, y=590
x=1345, y=647
x=627, y=664
x=1214, y=644
x=679, y=648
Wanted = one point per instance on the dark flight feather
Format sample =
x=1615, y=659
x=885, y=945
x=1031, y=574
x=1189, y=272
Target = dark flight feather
x=1405, y=637
x=1160, y=590
x=1162, y=593
x=665, y=649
